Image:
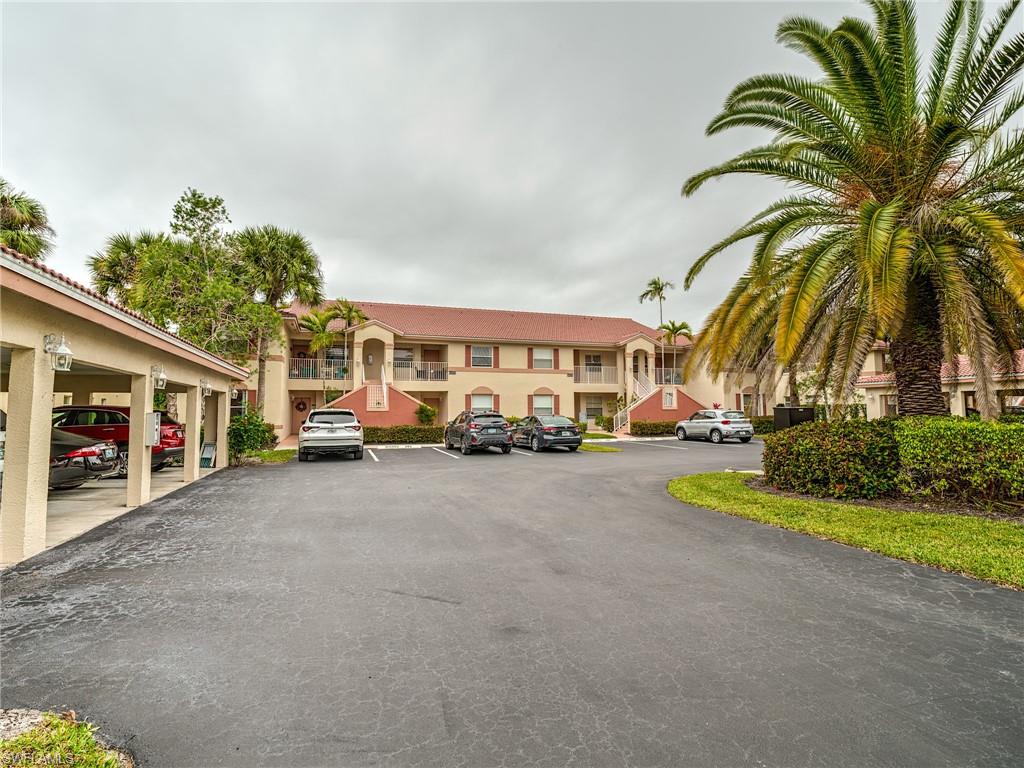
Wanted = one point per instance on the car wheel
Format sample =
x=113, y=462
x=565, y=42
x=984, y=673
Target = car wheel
x=534, y=444
x=122, y=464
x=506, y=449
x=448, y=444
x=303, y=456
x=681, y=433
x=359, y=455
x=68, y=486
x=744, y=439
x=573, y=448
x=159, y=466
x=715, y=436
x=466, y=450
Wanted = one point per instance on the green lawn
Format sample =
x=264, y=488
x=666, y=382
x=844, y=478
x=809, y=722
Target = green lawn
x=57, y=741
x=594, y=448
x=278, y=456
x=597, y=436
x=992, y=550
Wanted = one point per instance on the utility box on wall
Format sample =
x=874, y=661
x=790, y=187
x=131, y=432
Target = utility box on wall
x=152, y=430
x=790, y=416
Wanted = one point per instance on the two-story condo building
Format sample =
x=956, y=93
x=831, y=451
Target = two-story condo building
x=455, y=358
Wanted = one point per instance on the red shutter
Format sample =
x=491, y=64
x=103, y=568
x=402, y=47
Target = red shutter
x=556, y=364
x=469, y=402
x=529, y=405
x=529, y=357
x=469, y=356
x=495, y=362
x=497, y=403
x=739, y=402
x=558, y=408
x=575, y=357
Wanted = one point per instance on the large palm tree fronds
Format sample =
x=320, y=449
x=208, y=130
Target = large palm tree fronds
x=115, y=270
x=318, y=323
x=24, y=225
x=906, y=214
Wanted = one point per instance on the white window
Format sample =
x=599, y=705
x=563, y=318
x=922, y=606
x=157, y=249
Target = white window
x=668, y=398
x=543, y=357
x=592, y=361
x=482, y=402
x=482, y=357
x=543, y=405
x=595, y=407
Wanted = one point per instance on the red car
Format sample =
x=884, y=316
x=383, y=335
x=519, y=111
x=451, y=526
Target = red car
x=110, y=422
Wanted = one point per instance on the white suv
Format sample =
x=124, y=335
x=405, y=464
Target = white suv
x=330, y=430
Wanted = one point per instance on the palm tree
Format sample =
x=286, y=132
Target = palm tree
x=906, y=219
x=115, y=269
x=24, y=225
x=318, y=323
x=672, y=330
x=352, y=315
x=655, y=291
x=281, y=264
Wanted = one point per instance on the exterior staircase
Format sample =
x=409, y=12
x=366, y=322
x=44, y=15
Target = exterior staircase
x=643, y=388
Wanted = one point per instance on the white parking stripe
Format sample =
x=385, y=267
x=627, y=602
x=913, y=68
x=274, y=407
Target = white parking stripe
x=660, y=445
x=521, y=453
x=372, y=455
x=444, y=453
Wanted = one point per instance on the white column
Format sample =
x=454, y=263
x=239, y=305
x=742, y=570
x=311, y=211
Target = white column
x=139, y=454
x=192, y=414
x=223, y=417
x=27, y=455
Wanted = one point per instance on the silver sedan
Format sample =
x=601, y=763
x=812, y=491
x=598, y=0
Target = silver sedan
x=716, y=426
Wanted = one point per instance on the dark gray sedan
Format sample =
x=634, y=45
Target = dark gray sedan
x=540, y=432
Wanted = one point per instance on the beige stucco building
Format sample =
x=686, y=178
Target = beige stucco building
x=454, y=358
x=48, y=323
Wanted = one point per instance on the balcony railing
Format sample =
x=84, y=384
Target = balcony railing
x=596, y=374
x=314, y=368
x=419, y=370
x=668, y=376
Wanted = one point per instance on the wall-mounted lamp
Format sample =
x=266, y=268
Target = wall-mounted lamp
x=205, y=386
x=59, y=352
x=159, y=377
x=234, y=393
x=369, y=359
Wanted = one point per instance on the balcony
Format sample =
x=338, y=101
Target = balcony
x=313, y=368
x=668, y=376
x=595, y=374
x=419, y=370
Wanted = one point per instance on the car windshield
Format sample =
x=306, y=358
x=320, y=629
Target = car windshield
x=555, y=421
x=733, y=415
x=332, y=418
x=488, y=418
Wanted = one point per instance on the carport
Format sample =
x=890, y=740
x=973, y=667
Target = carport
x=59, y=336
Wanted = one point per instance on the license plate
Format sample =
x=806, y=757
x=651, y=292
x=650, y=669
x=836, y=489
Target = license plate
x=109, y=453
x=567, y=434
x=490, y=431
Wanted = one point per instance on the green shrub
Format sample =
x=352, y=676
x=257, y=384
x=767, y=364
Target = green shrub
x=844, y=459
x=961, y=458
x=248, y=433
x=607, y=423
x=404, y=433
x=513, y=420
x=1011, y=418
x=762, y=425
x=651, y=428
x=425, y=414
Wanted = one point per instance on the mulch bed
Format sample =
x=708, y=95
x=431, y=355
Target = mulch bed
x=1009, y=512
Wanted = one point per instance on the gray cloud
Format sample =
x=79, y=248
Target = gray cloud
x=520, y=156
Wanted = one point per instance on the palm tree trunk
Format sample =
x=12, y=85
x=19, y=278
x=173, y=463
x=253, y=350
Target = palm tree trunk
x=917, y=353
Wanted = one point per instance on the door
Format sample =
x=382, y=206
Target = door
x=300, y=410
x=696, y=425
x=431, y=355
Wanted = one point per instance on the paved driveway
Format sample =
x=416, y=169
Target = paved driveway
x=551, y=610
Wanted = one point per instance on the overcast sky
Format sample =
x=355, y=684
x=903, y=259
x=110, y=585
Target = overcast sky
x=514, y=156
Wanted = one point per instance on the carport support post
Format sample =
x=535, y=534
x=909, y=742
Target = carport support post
x=139, y=454
x=27, y=455
x=223, y=417
x=192, y=416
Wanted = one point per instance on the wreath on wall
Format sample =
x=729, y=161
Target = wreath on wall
x=301, y=406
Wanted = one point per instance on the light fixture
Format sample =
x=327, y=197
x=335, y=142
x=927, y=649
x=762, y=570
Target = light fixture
x=205, y=386
x=159, y=377
x=234, y=393
x=59, y=351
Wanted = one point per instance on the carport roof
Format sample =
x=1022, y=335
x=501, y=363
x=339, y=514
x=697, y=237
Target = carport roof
x=39, y=273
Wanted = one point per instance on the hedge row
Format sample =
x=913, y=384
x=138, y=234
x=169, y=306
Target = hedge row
x=403, y=433
x=762, y=425
x=651, y=428
x=937, y=455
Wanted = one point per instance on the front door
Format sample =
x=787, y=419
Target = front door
x=300, y=410
x=431, y=355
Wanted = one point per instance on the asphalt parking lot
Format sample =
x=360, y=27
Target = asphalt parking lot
x=421, y=608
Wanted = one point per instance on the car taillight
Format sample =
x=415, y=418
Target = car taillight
x=92, y=450
x=356, y=427
x=550, y=429
x=506, y=425
x=726, y=421
x=474, y=425
x=309, y=427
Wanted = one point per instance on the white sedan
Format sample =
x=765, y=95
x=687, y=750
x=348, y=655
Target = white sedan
x=330, y=430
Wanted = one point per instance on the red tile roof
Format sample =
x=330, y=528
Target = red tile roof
x=61, y=277
x=497, y=324
x=963, y=371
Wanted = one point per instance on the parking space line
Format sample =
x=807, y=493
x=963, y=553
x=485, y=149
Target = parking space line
x=372, y=454
x=444, y=453
x=521, y=453
x=659, y=445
